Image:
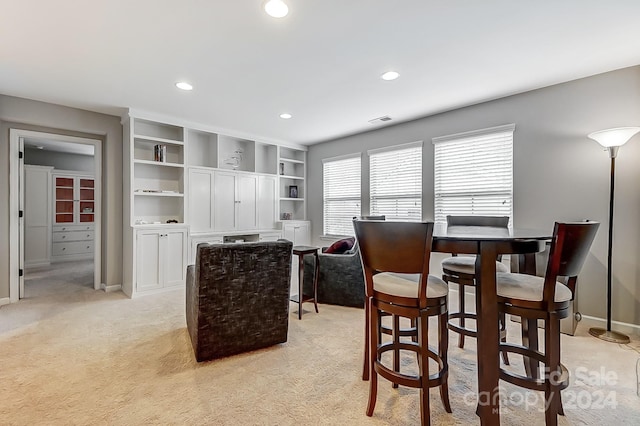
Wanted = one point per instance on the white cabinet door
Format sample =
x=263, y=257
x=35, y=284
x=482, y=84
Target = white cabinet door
x=224, y=217
x=267, y=202
x=148, y=261
x=201, y=200
x=247, y=192
x=37, y=213
x=173, y=252
x=298, y=232
x=161, y=258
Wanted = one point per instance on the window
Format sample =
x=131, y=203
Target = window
x=396, y=182
x=341, y=194
x=473, y=173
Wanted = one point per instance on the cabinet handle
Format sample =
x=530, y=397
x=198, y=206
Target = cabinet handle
x=88, y=235
x=64, y=248
x=64, y=236
x=88, y=246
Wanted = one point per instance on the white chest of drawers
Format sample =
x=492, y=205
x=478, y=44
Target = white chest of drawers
x=72, y=242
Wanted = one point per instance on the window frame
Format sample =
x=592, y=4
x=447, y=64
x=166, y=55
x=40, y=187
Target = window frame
x=472, y=137
x=357, y=199
x=414, y=195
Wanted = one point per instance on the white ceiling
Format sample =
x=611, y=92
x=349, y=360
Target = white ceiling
x=321, y=63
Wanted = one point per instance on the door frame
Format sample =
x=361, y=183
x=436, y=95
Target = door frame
x=16, y=202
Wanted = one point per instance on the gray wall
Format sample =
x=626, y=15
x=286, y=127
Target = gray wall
x=59, y=160
x=559, y=174
x=32, y=115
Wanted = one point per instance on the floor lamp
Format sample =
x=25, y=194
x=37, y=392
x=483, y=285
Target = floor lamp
x=612, y=139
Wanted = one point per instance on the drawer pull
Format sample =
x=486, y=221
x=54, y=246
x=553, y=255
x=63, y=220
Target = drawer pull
x=88, y=235
x=64, y=248
x=64, y=236
x=88, y=246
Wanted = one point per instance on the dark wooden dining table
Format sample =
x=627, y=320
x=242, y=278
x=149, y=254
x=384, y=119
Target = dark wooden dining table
x=487, y=243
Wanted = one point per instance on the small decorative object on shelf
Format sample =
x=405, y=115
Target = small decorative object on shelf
x=235, y=159
x=282, y=168
x=286, y=216
x=293, y=191
x=160, y=153
x=172, y=221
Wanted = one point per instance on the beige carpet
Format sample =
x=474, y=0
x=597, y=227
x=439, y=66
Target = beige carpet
x=80, y=356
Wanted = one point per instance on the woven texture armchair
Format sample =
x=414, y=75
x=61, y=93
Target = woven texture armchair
x=341, y=280
x=238, y=297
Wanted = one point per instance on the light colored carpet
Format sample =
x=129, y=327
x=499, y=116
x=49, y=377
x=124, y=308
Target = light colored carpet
x=88, y=357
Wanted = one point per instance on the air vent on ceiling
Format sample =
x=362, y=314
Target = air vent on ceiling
x=380, y=119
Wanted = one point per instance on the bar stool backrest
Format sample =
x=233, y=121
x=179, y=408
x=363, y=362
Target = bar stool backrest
x=401, y=247
x=494, y=221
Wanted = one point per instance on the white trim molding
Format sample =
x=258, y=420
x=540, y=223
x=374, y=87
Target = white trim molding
x=474, y=133
x=395, y=147
x=15, y=137
x=343, y=157
x=4, y=301
x=111, y=288
x=622, y=327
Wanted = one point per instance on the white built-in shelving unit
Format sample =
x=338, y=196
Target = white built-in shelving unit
x=210, y=186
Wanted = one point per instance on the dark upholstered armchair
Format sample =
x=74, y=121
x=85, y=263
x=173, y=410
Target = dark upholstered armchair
x=341, y=280
x=238, y=297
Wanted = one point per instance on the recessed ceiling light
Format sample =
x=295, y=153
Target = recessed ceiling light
x=276, y=8
x=390, y=75
x=184, y=85
x=286, y=116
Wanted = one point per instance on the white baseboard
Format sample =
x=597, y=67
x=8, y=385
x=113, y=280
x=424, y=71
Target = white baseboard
x=36, y=264
x=110, y=288
x=622, y=327
x=4, y=301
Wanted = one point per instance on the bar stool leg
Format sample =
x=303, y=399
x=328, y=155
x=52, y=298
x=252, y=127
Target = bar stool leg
x=443, y=347
x=396, y=342
x=423, y=341
x=367, y=332
x=373, y=356
x=462, y=311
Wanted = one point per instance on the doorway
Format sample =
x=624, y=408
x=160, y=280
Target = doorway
x=55, y=205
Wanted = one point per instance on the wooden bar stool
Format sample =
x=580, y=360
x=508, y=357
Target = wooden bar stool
x=536, y=298
x=395, y=259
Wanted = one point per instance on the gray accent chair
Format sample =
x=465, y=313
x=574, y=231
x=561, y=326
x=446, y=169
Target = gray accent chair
x=341, y=280
x=238, y=297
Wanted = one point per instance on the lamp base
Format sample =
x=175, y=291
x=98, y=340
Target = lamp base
x=609, y=336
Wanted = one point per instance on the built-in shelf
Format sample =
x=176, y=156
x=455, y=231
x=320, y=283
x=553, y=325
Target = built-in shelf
x=158, y=140
x=158, y=163
x=159, y=194
x=291, y=160
x=292, y=177
x=291, y=199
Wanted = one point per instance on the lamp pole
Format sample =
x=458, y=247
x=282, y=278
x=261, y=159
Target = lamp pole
x=612, y=153
x=612, y=139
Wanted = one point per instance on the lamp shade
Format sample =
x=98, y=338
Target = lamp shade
x=614, y=137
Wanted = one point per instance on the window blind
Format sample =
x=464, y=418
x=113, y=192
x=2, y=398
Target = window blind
x=473, y=174
x=341, y=194
x=396, y=182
